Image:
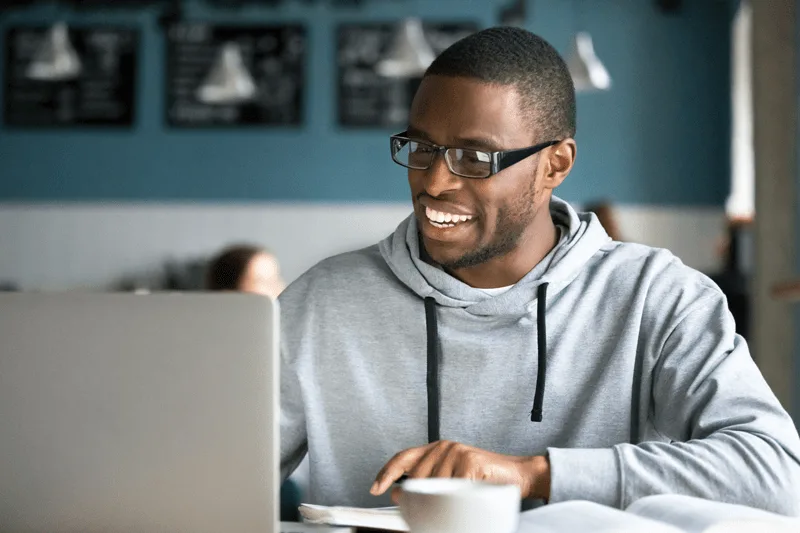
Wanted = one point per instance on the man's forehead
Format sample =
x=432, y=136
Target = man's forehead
x=450, y=110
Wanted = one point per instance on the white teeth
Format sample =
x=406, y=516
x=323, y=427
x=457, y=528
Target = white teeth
x=444, y=220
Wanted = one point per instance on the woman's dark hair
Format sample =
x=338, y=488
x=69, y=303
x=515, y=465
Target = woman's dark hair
x=225, y=271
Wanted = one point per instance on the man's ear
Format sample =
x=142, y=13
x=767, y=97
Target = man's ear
x=559, y=161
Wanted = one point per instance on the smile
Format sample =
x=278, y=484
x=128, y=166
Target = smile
x=441, y=219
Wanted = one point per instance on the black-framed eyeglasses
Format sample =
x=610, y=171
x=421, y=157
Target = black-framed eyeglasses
x=464, y=162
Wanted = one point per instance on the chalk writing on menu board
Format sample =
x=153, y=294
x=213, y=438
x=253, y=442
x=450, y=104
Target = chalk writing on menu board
x=102, y=94
x=273, y=56
x=366, y=99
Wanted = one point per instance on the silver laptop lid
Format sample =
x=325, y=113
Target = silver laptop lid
x=147, y=413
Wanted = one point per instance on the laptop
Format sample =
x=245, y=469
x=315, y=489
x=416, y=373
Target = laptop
x=139, y=413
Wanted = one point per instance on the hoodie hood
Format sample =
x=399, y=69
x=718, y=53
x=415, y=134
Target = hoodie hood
x=582, y=236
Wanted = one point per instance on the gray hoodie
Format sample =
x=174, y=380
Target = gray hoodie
x=647, y=389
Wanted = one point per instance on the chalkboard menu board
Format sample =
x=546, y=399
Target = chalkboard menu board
x=13, y=4
x=102, y=94
x=272, y=56
x=367, y=99
x=123, y=4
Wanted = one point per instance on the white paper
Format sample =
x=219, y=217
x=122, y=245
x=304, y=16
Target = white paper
x=378, y=518
x=583, y=516
x=695, y=515
x=298, y=527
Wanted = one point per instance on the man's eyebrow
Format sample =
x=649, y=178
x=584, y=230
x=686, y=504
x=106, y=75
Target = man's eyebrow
x=477, y=143
x=417, y=134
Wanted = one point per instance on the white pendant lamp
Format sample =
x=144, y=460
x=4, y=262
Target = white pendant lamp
x=588, y=72
x=55, y=59
x=410, y=53
x=228, y=82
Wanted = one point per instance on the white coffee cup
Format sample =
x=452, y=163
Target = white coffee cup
x=438, y=505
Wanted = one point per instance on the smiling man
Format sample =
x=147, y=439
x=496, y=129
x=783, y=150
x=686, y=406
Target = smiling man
x=500, y=335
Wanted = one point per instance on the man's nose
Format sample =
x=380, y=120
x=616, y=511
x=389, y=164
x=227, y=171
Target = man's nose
x=438, y=178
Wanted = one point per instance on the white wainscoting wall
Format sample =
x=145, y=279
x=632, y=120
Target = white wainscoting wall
x=75, y=245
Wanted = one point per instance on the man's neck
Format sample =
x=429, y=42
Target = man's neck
x=534, y=245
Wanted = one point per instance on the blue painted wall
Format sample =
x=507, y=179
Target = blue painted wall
x=659, y=137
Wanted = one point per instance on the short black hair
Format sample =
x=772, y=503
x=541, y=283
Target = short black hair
x=514, y=56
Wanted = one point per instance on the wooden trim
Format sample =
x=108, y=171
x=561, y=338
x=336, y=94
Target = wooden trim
x=787, y=290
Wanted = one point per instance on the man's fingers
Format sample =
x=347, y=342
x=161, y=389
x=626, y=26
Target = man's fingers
x=433, y=458
x=428, y=461
x=388, y=475
x=396, y=495
x=444, y=468
x=395, y=468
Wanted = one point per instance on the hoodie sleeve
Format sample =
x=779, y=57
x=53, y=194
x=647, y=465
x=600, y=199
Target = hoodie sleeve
x=726, y=436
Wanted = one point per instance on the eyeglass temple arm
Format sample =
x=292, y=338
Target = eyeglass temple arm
x=503, y=160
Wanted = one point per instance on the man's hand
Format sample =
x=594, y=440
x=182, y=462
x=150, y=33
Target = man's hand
x=451, y=459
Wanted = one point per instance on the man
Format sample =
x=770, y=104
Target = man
x=499, y=335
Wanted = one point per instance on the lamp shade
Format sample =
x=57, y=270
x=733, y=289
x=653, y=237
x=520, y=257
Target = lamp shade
x=55, y=59
x=228, y=81
x=409, y=54
x=588, y=72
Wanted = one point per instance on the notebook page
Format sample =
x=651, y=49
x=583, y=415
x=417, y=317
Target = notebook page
x=695, y=515
x=380, y=518
x=579, y=516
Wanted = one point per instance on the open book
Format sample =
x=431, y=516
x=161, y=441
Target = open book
x=387, y=518
x=653, y=514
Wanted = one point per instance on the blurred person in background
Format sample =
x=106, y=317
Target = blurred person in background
x=499, y=335
x=245, y=268
x=253, y=269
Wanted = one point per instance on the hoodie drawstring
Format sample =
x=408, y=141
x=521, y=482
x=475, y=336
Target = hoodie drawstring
x=433, y=369
x=541, y=335
x=433, y=362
